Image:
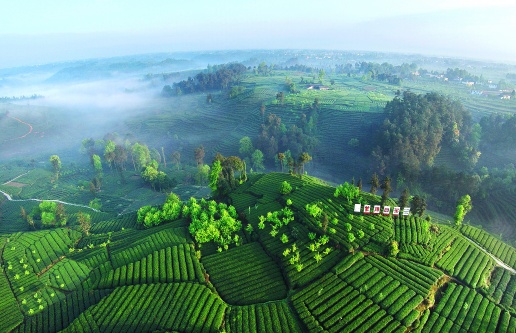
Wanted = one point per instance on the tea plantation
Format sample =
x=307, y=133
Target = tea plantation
x=304, y=261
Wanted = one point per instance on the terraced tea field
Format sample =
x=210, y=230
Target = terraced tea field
x=297, y=276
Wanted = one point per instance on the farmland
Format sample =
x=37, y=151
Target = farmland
x=120, y=279
x=304, y=259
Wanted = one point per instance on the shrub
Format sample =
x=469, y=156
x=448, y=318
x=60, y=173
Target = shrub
x=285, y=187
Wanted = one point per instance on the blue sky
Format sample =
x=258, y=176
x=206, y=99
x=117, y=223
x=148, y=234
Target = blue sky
x=36, y=32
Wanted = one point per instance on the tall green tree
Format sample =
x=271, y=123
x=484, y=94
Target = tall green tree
x=387, y=189
x=257, y=160
x=404, y=198
x=56, y=164
x=302, y=160
x=199, y=155
x=97, y=164
x=246, y=147
x=176, y=159
x=375, y=183
x=109, y=152
x=463, y=207
x=216, y=169
x=84, y=222
x=418, y=205
x=140, y=155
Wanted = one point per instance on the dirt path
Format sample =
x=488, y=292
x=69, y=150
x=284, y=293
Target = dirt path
x=22, y=122
x=9, y=198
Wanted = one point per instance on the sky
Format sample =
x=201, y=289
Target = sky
x=34, y=32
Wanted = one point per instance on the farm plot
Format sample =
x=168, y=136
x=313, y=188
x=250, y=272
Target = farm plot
x=303, y=260
x=266, y=317
x=59, y=315
x=416, y=277
x=171, y=264
x=245, y=275
x=411, y=230
x=332, y=305
x=467, y=263
x=496, y=247
x=90, y=257
x=468, y=310
x=342, y=221
x=66, y=274
x=10, y=314
x=183, y=307
x=133, y=245
x=502, y=287
x=29, y=255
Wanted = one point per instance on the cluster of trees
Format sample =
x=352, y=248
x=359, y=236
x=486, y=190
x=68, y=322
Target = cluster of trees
x=348, y=191
x=416, y=128
x=212, y=221
x=499, y=130
x=47, y=214
x=274, y=137
x=462, y=75
x=116, y=153
x=149, y=216
x=223, y=77
x=56, y=165
x=463, y=207
x=225, y=174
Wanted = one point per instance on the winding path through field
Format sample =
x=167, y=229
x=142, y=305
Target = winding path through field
x=9, y=198
x=498, y=261
x=22, y=122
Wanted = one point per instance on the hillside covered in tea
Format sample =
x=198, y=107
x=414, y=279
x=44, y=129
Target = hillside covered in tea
x=284, y=253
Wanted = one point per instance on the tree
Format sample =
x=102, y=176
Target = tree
x=280, y=96
x=203, y=172
x=285, y=187
x=418, y=205
x=120, y=157
x=262, y=112
x=246, y=147
x=394, y=248
x=463, y=207
x=347, y=191
x=50, y=213
x=199, y=155
x=303, y=159
x=281, y=158
x=322, y=74
x=171, y=209
x=404, y=198
x=459, y=215
x=375, y=183
x=56, y=164
x=84, y=222
x=140, y=155
x=216, y=169
x=176, y=159
x=387, y=189
x=109, y=152
x=359, y=184
x=257, y=160
x=97, y=164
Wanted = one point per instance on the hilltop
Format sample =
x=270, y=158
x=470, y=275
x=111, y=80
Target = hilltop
x=303, y=260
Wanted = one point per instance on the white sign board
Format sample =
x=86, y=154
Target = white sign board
x=357, y=208
x=386, y=210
